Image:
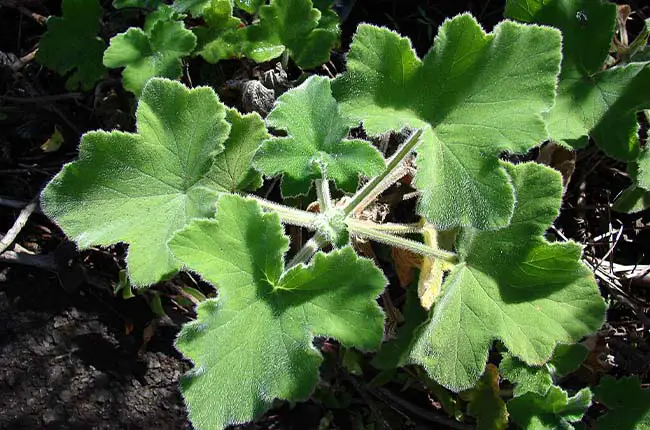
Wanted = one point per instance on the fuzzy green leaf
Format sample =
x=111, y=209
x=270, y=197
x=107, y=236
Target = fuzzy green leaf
x=636, y=197
x=567, y=358
x=527, y=379
x=511, y=285
x=140, y=188
x=296, y=26
x=222, y=38
x=474, y=94
x=632, y=200
x=194, y=7
x=552, y=411
x=163, y=13
x=628, y=404
x=219, y=15
x=203, y=7
x=145, y=54
x=70, y=44
x=250, y=6
x=315, y=146
x=222, y=44
x=590, y=101
x=253, y=343
x=232, y=169
x=538, y=379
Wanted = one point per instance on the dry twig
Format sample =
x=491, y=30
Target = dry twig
x=13, y=232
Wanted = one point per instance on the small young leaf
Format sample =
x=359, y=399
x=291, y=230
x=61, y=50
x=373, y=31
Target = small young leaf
x=203, y=7
x=70, y=44
x=219, y=15
x=232, y=169
x=296, y=26
x=250, y=6
x=590, y=101
x=315, y=146
x=567, y=358
x=215, y=45
x=552, y=411
x=163, y=13
x=538, y=379
x=485, y=404
x=628, y=404
x=222, y=38
x=145, y=54
x=194, y=7
x=527, y=379
x=474, y=94
x=253, y=343
x=141, y=188
x=511, y=285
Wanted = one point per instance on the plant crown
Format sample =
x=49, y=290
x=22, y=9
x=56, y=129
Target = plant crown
x=180, y=192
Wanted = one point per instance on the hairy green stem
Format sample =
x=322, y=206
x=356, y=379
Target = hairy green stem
x=389, y=227
x=357, y=228
x=369, y=191
x=310, y=248
x=382, y=186
x=323, y=195
x=288, y=215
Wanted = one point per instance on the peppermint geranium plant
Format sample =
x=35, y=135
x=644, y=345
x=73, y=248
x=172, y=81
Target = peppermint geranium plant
x=180, y=191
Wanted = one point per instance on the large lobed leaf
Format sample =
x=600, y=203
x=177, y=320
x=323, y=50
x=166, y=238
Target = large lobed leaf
x=474, y=94
x=70, y=44
x=155, y=51
x=315, y=146
x=511, y=285
x=140, y=188
x=590, y=101
x=253, y=343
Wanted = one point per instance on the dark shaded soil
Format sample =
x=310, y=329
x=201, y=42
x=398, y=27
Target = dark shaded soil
x=66, y=361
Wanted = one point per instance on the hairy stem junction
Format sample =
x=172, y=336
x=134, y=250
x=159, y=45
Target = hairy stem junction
x=390, y=233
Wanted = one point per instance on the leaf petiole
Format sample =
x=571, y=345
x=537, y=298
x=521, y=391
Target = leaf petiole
x=323, y=195
x=379, y=183
x=393, y=228
x=361, y=228
x=310, y=248
x=288, y=215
